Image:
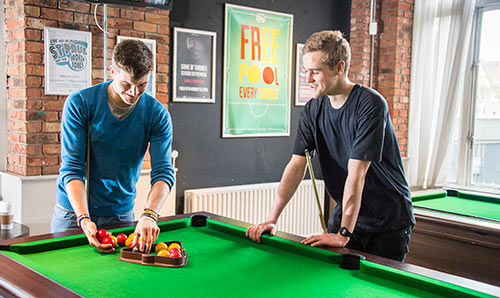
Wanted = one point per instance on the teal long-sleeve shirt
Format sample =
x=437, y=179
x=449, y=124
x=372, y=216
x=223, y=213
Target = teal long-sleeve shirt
x=117, y=149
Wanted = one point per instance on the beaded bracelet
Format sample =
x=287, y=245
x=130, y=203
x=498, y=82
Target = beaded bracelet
x=149, y=210
x=149, y=215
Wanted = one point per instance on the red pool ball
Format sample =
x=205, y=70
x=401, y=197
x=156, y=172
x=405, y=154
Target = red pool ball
x=107, y=240
x=121, y=239
x=175, y=254
x=101, y=234
x=174, y=250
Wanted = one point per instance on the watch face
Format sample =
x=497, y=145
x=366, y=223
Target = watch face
x=345, y=232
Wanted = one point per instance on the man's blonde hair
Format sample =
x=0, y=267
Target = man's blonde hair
x=333, y=44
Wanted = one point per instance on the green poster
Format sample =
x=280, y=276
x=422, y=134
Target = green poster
x=257, y=62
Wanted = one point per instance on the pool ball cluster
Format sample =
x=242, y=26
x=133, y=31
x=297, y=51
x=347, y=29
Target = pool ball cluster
x=105, y=237
x=173, y=250
x=162, y=249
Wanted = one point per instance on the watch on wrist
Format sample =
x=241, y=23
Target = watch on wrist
x=345, y=232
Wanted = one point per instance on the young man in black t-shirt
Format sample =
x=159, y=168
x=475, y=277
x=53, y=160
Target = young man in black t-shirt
x=349, y=127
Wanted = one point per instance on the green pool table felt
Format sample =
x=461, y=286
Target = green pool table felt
x=222, y=263
x=464, y=203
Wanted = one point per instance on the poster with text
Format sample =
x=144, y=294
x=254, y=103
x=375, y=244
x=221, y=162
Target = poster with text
x=257, y=75
x=68, y=64
x=303, y=92
x=194, y=66
x=151, y=44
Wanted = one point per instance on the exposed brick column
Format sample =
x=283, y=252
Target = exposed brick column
x=359, y=71
x=392, y=57
x=33, y=132
x=34, y=118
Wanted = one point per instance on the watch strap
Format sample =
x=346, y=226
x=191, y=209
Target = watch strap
x=345, y=232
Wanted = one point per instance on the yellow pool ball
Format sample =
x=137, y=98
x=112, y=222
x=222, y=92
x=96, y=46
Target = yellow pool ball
x=115, y=241
x=128, y=241
x=163, y=253
x=160, y=246
x=174, y=245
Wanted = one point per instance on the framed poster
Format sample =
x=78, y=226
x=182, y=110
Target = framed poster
x=303, y=92
x=151, y=44
x=194, y=65
x=257, y=72
x=68, y=60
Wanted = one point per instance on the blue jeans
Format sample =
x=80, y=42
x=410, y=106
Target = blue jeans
x=63, y=219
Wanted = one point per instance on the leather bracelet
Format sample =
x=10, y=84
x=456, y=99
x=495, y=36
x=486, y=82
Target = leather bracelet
x=149, y=215
x=80, y=218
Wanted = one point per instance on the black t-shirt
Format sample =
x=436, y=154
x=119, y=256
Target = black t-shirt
x=361, y=129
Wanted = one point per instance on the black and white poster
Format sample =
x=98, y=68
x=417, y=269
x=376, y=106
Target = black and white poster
x=194, y=66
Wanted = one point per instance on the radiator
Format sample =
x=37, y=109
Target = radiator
x=252, y=203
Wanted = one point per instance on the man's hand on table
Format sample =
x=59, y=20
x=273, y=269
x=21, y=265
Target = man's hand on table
x=328, y=239
x=90, y=230
x=147, y=231
x=254, y=232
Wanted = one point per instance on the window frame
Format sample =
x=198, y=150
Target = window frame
x=466, y=136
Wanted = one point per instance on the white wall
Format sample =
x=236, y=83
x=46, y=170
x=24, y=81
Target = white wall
x=143, y=187
x=34, y=199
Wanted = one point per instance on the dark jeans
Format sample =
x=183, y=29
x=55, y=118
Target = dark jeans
x=392, y=245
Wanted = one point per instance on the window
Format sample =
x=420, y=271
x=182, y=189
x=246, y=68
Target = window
x=480, y=149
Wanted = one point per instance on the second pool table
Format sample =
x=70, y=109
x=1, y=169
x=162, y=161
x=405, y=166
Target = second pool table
x=222, y=262
x=460, y=203
x=457, y=232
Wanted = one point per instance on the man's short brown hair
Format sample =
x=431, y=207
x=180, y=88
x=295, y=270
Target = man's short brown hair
x=333, y=44
x=134, y=57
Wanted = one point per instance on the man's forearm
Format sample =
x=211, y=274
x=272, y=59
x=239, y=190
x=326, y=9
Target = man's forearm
x=292, y=176
x=353, y=191
x=351, y=203
x=75, y=190
x=157, y=195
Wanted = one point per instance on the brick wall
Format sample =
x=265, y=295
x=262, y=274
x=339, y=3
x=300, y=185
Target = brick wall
x=34, y=118
x=392, y=56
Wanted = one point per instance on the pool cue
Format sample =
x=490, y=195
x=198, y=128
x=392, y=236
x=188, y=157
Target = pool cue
x=87, y=170
x=311, y=173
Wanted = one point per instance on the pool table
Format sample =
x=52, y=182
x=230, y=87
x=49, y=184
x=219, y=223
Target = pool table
x=457, y=232
x=222, y=262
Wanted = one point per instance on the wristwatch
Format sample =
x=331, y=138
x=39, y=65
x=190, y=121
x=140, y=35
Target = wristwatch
x=345, y=232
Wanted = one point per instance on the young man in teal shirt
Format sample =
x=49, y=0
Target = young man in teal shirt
x=121, y=120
